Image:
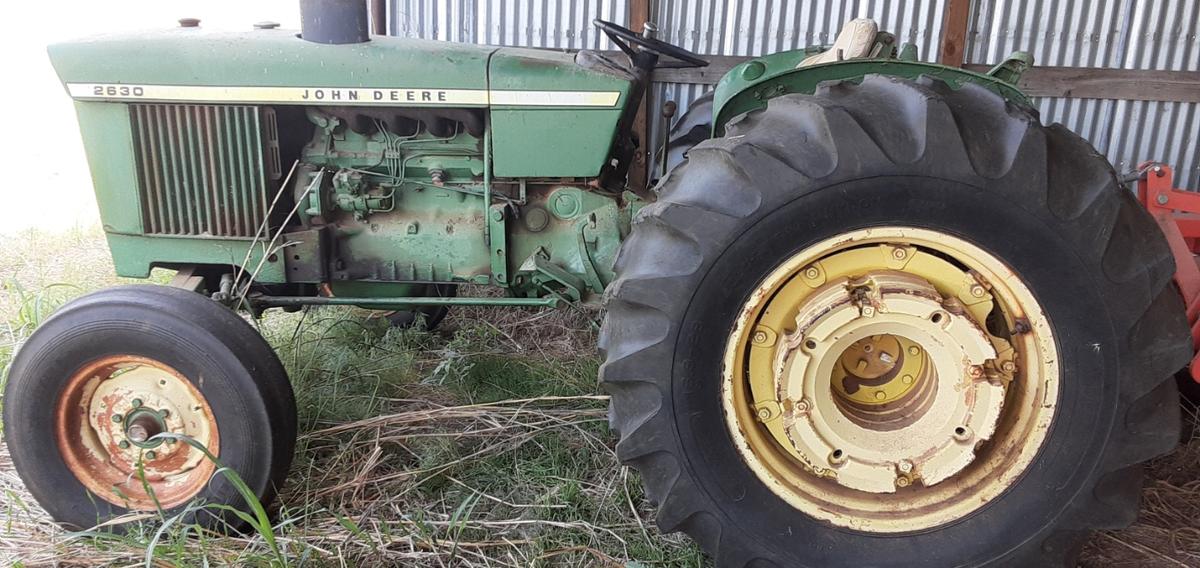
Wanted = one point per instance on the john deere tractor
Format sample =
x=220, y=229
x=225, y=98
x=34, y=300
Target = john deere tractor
x=880, y=316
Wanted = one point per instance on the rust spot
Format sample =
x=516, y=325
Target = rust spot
x=100, y=464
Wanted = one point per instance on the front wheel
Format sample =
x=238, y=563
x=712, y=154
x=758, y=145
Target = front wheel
x=95, y=393
x=893, y=324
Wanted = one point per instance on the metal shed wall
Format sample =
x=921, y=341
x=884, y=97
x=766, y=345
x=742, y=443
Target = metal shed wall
x=1074, y=33
x=1121, y=34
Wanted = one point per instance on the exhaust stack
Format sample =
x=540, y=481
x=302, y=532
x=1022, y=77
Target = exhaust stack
x=334, y=21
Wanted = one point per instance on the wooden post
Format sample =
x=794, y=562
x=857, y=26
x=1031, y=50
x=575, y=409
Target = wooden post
x=378, y=16
x=954, y=33
x=639, y=14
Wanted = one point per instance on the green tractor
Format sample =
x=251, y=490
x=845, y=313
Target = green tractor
x=881, y=316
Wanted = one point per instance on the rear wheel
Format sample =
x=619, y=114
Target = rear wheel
x=93, y=388
x=893, y=324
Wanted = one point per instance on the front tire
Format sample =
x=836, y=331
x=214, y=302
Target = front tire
x=90, y=389
x=887, y=156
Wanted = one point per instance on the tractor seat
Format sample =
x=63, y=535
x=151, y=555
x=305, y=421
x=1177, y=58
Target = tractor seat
x=853, y=42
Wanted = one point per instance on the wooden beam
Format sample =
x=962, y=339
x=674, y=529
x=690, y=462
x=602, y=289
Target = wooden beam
x=718, y=66
x=954, y=32
x=639, y=171
x=1099, y=83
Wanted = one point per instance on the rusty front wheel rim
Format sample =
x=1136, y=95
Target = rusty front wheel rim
x=767, y=391
x=106, y=418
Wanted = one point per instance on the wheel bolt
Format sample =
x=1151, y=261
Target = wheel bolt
x=837, y=457
x=138, y=433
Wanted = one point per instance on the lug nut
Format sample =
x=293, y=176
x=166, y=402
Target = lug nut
x=123, y=444
x=975, y=371
x=117, y=418
x=801, y=407
x=899, y=253
x=1008, y=366
x=977, y=291
x=812, y=273
x=151, y=455
x=963, y=433
x=764, y=414
x=760, y=337
x=902, y=482
x=137, y=402
x=905, y=466
x=914, y=350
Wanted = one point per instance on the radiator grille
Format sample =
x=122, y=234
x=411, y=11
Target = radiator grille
x=201, y=169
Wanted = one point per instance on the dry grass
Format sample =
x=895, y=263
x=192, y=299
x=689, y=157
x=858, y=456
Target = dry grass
x=482, y=445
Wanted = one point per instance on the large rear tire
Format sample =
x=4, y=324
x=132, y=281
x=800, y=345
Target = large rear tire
x=91, y=389
x=1079, y=274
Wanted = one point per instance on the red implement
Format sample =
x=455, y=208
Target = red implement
x=1178, y=215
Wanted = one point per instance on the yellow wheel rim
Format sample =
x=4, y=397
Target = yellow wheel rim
x=107, y=418
x=890, y=379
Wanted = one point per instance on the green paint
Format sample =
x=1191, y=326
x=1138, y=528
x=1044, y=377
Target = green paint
x=135, y=255
x=551, y=141
x=401, y=302
x=736, y=94
x=107, y=142
x=195, y=56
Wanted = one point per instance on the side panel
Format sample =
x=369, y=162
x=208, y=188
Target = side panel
x=108, y=143
x=551, y=117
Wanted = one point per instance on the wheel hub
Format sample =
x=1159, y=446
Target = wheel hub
x=110, y=420
x=881, y=383
x=890, y=379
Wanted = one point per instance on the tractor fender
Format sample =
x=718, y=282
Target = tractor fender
x=750, y=84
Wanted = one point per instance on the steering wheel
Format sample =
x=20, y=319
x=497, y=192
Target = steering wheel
x=623, y=36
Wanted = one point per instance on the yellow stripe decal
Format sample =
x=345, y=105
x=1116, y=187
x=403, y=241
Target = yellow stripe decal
x=358, y=96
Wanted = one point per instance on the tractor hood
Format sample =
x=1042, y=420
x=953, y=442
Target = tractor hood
x=250, y=63
x=549, y=115
x=276, y=66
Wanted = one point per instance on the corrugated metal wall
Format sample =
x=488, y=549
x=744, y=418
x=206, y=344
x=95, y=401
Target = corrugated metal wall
x=1085, y=33
x=1124, y=34
x=565, y=24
